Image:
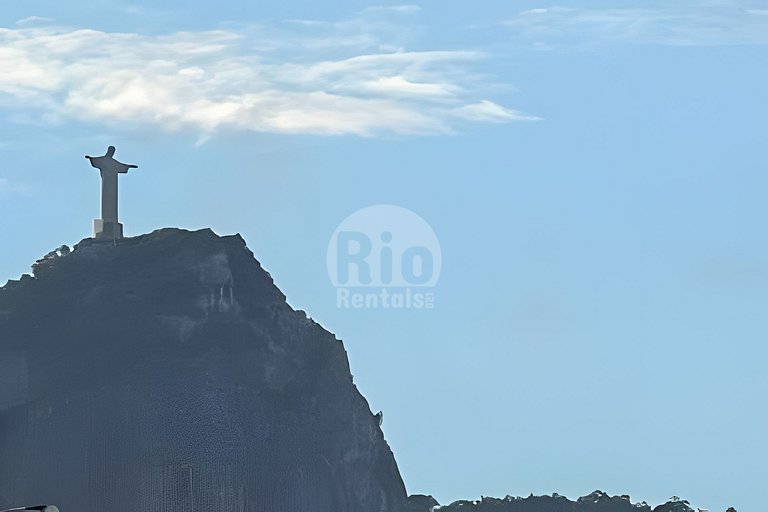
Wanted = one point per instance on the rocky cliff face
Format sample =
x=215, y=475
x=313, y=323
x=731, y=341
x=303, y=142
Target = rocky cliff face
x=167, y=373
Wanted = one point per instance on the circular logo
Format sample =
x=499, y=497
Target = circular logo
x=384, y=246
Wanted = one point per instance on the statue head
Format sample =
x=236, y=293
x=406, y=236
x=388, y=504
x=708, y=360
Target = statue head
x=111, y=151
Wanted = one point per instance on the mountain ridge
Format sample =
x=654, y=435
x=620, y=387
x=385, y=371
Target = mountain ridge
x=168, y=370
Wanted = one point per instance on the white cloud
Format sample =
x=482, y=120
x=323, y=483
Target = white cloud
x=688, y=22
x=305, y=77
x=33, y=19
x=398, y=85
x=488, y=111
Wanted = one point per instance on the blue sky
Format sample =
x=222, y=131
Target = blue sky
x=595, y=173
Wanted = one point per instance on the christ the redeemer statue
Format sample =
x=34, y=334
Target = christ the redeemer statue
x=108, y=227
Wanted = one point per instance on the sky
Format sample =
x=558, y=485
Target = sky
x=595, y=173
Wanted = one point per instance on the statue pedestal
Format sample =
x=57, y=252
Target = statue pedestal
x=107, y=230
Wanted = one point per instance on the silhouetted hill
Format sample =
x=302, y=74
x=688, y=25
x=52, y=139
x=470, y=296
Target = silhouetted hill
x=167, y=372
x=598, y=501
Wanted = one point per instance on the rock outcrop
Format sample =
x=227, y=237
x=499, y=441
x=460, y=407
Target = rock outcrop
x=167, y=372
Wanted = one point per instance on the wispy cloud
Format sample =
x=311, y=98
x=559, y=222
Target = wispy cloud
x=487, y=111
x=304, y=76
x=33, y=19
x=707, y=23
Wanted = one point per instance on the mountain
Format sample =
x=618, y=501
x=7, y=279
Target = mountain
x=166, y=372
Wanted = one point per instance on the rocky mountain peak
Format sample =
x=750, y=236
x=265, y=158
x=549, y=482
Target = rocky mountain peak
x=167, y=370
